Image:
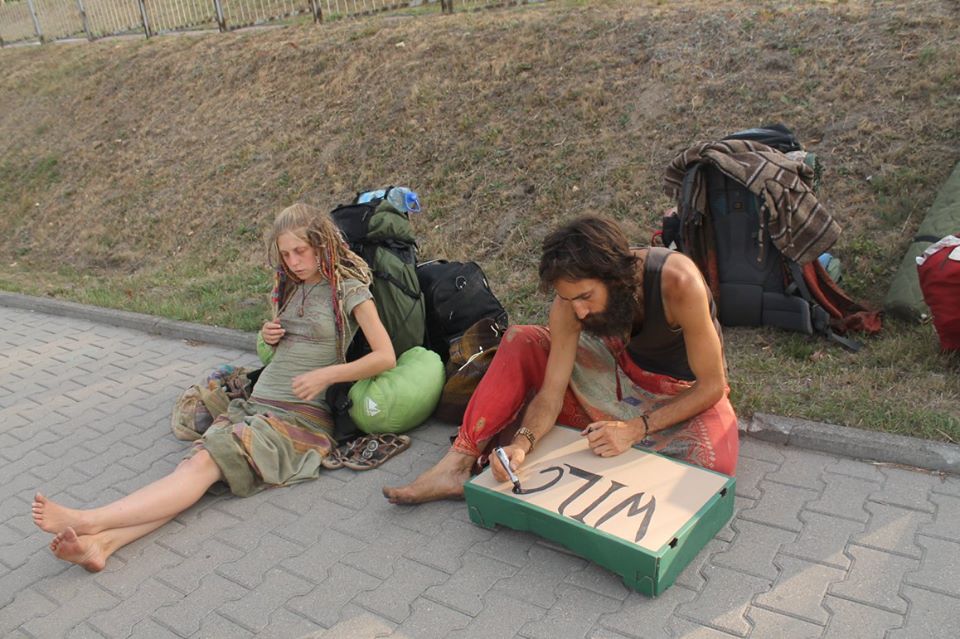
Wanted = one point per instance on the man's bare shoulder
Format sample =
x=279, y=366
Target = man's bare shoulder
x=680, y=276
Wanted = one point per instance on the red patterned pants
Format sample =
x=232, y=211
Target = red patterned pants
x=516, y=373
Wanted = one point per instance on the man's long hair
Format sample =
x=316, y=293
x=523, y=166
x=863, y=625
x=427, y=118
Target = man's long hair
x=589, y=248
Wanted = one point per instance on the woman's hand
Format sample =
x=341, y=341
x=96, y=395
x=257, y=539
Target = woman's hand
x=609, y=439
x=515, y=454
x=308, y=386
x=272, y=332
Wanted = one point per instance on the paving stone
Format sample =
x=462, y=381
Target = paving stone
x=723, y=602
x=689, y=630
x=27, y=605
x=427, y=518
x=692, y=576
x=753, y=549
x=393, y=598
x=445, y=548
x=253, y=610
x=767, y=623
x=325, y=600
x=15, y=555
x=641, y=616
x=430, y=620
x=92, y=490
x=285, y=624
x=507, y=545
x=537, y=581
x=869, y=579
x=780, y=506
x=503, y=615
x=10, y=471
x=800, y=589
x=932, y=616
x=801, y=468
x=216, y=626
x=314, y=562
x=761, y=450
x=600, y=581
x=844, y=497
x=75, y=456
x=311, y=521
x=143, y=602
x=247, y=533
x=184, y=617
x=947, y=485
x=465, y=589
x=141, y=461
x=749, y=474
x=249, y=570
x=197, y=526
x=140, y=562
x=892, y=529
x=908, y=489
x=946, y=523
x=84, y=603
x=939, y=567
x=823, y=539
x=188, y=575
x=356, y=622
x=361, y=492
x=852, y=620
x=83, y=631
x=576, y=611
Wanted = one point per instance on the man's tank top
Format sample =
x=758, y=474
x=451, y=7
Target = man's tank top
x=657, y=347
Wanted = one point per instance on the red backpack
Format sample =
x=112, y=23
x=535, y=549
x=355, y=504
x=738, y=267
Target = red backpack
x=939, y=272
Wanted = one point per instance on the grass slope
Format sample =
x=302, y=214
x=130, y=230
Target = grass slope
x=142, y=174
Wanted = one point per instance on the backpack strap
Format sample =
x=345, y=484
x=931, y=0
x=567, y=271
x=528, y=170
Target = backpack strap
x=819, y=316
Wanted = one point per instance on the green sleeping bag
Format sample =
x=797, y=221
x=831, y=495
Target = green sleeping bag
x=399, y=399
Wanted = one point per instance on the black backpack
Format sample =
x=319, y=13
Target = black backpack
x=757, y=284
x=383, y=237
x=457, y=296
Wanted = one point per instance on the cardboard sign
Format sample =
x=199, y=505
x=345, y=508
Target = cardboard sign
x=639, y=503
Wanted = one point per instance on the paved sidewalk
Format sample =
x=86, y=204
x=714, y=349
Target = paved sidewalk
x=820, y=546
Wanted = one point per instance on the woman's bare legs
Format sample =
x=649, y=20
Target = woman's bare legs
x=92, y=551
x=159, y=501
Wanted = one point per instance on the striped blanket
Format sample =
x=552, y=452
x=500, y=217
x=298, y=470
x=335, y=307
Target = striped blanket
x=798, y=225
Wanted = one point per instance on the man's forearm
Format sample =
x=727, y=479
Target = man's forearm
x=681, y=407
x=541, y=416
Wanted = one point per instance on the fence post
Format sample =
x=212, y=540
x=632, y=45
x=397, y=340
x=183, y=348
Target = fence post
x=143, y=18
x=221, y=21
x=316, y=10
x=83, y=19
x=36, y=23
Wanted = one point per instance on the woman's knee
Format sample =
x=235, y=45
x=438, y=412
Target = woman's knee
x=201, y=463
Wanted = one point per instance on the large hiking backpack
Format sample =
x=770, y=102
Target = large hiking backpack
x=753, y=282
x=383, y=237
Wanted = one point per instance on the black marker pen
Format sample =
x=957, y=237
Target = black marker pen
x=502, y=456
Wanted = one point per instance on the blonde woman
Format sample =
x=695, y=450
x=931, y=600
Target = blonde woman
x=281, y=434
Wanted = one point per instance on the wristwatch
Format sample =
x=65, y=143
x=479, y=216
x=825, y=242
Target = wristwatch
x=523, y=431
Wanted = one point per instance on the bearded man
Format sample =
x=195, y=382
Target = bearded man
x=632, y=355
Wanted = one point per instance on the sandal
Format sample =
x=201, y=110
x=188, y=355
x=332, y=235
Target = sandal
x=365, y=453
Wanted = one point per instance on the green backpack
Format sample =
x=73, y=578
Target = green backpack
x=382, y=235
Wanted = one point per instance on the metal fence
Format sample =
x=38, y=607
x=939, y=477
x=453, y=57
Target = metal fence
x=47, y=20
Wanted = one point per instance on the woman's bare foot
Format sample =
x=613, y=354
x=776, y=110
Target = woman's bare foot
x=51, y=517
x=83, y=551
x=443, y=481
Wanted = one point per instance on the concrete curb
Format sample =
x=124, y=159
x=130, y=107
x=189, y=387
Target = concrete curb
x=854, y=442
x=789, y=431
x=136, y=321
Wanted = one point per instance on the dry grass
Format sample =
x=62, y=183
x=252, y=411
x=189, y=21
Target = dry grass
x=135, y=170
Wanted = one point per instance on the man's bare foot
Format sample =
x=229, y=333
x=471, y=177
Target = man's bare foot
x=51, y=517
x=443, y=481
x=83, y=551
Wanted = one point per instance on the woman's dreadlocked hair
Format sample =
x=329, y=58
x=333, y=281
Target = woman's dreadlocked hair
x=335, y=260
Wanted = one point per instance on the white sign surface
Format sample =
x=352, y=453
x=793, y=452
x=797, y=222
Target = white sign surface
x=640, y=497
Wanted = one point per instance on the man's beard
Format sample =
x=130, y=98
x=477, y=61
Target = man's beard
x=617, y=319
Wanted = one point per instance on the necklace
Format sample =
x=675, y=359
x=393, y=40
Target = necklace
x=303, y=297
